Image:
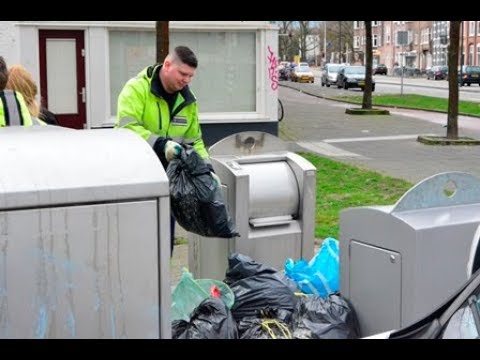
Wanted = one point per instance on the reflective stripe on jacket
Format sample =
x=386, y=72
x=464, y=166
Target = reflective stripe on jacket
x=13, y=109
x=148, y=115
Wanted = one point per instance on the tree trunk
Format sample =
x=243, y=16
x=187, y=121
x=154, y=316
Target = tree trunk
x=367, y=90
x=163, y=40
x=452, y=119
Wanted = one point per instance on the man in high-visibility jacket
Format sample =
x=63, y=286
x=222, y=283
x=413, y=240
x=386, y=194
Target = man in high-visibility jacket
x=160, y=107
x=13, y=109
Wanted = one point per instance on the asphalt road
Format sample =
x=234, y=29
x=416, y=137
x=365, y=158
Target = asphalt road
x=393, y=85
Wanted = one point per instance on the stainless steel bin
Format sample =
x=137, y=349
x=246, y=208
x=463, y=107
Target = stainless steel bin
x=270, y=193
x=399, y=262
x=84, y=235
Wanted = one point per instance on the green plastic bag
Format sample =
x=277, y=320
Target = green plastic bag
x=226, y=294
x=189, y=293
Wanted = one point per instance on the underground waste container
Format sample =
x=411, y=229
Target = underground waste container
x=399, y=262
x=84, y=235
x=270, y=195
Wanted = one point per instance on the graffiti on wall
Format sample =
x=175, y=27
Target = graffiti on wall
x=272, y=69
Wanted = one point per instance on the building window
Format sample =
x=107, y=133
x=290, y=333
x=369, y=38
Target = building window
x=425, y=35
x=375, y=40
x=470, y=54
x=225, y=79
x=356, y=24
x=387, y=35
x=356, y=42
x=478, y=27
x=375, y=23
x=471, y=30
x=478, y=54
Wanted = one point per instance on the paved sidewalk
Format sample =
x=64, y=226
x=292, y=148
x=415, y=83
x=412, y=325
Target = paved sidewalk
x=384, y=143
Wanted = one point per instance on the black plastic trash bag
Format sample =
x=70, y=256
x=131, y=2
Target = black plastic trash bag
x=242, y=266
x=195, y=198
x=329, y=318
x=267, y=326
x=211, y=319
x=257, y=288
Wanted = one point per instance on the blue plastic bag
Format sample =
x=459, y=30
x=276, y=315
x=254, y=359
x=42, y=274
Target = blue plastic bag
x=320, y=276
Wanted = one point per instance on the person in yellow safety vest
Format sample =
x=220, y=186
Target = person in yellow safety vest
x=13, y=109
x=160, y=107
x=20, y=80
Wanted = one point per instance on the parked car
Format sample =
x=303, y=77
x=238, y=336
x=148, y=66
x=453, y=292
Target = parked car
x=282, y=74
x=302, y=74
x=352, y=77
x=458, y=317
x=437, y=72
x=469, y=75
x=380, y=69
x=329, y=74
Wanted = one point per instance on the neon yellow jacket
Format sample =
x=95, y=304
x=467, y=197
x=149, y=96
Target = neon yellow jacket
x=13, y=109
x=147, y=114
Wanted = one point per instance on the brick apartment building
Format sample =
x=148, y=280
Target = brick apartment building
x=427, y=43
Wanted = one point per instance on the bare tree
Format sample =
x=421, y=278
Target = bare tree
x=285, y=39
x=367, y=90
x=452, y=118
x=340, y=36
x=162, y=40
x=305, y=29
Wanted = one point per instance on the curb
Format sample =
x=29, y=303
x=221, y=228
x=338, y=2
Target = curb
x=360, y=111
x=442, y=140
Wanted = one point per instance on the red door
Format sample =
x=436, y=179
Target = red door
x=62, y=75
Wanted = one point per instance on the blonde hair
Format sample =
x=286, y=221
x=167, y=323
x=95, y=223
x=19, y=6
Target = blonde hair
x=19, y=79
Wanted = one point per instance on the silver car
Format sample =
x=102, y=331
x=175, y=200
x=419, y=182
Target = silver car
x=352, y=77
x=329, y=74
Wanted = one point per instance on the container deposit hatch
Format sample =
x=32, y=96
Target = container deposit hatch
x=270, y=194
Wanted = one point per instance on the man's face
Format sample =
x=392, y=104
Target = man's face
x=177, y=75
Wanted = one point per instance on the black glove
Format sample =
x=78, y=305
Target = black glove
x=159, y=148
x=210, y=167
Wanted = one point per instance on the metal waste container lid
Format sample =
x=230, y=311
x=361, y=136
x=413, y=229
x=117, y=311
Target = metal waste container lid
x=42, y=167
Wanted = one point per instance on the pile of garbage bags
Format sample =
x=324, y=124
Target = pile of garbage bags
x=267, y=305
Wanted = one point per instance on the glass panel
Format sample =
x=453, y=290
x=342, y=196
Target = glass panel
x=225, y=80
x=62, y=76
x=461, y=325
x=130, y=52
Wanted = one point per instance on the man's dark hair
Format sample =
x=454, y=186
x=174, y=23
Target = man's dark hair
x=186, y=56
x=3, y=73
